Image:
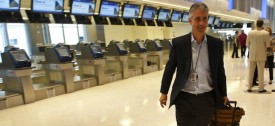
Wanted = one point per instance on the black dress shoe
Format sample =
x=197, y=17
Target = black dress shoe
x=249, y=90
x=273, y=90
x=237, y=57
x=262, y=91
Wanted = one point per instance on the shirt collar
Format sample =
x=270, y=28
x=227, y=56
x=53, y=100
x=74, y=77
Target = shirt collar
x=193, y=39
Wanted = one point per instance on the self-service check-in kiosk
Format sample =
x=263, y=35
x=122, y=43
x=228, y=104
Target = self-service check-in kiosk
x=155, y=54
x=137, y=59
x=116, y=64
x=15, y=71
x=91, y=66
x=58, y=69
x=167, y=45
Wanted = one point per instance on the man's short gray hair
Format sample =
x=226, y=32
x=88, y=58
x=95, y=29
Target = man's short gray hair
x=196, y=6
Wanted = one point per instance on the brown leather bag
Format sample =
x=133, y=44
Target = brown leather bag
x=228, y=116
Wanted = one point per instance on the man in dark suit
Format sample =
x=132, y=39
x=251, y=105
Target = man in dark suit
x=200, y=83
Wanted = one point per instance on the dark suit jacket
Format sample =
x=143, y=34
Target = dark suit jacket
x=180, y=60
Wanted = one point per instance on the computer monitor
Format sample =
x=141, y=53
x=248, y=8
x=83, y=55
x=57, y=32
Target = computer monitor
x=96, y=49
x=158, y=43
x=223, y=25
x=164, y=14
x=176, y=16
x=47, y=6
x=109, y=9
x=210, y=20
x=10, y=5
x=83, y=7
x=63, y=51
x=19, y=56
x=130, y=11
x=228, y=25
x=185, y=16
x=217, y=21
x=149, y=13
x=121, y=46
x=15, y=58
x=141, y=44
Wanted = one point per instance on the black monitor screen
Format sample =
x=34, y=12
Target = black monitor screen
x=228, y=25
x=96, y=49
x=176, y=16
x=121, y=46
x=149, y=13
x=47, y=6
x=217, y=21
x=19, y=55
x=131, y=11
x=83, y=7
x=9, y=5
x=210, y=20
x=223, y=25
x=164, y=14
x=141, y=44
x=109, y=9
x=185, y=17
x=231, y=25
x=63, y=51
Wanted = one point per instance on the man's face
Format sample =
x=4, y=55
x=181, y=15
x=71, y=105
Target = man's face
x=199, y=21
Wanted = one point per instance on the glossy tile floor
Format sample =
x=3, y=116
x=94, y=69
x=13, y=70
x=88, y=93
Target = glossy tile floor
x=134, y=102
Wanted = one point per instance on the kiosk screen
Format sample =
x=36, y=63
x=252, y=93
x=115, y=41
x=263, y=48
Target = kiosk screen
x=141, y=44
x=19, y=56
x=121, y=47
x=63, y=51
x=96, y=49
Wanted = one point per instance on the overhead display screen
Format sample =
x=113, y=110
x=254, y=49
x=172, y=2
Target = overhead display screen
x=210, y=20
x=149, y=13
x=83, y=7
x=176, y=16
x=109, y=9
x=47, y=6
x=10, y=5
x=131, y=11
x=217, y=21
x=164, y=14
x=185, y=17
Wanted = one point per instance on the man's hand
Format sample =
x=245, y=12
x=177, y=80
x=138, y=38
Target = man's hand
x=163, y=100
x=225, y=100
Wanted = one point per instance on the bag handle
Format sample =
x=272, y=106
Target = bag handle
x=228, y=104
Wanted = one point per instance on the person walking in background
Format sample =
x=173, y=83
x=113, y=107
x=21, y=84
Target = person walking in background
x=242, y=38
x=270, y=56
x=235, y=45
x=257, y=41
x=200, y=83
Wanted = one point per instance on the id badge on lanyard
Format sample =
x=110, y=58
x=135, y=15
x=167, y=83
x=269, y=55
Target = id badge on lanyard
x=194, y=77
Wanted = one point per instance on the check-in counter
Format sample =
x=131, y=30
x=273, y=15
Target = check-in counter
x=15, y=72
x=58, y=70
x=116, y=63
x=155, y=55
x=137, y=60
x=91, y=65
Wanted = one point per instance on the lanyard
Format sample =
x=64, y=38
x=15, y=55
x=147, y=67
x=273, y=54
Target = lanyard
x=194, y=69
